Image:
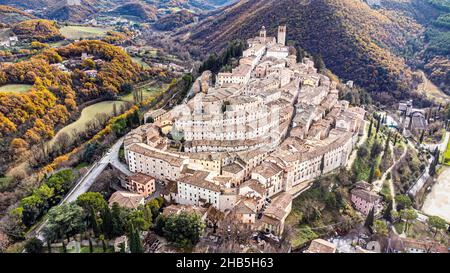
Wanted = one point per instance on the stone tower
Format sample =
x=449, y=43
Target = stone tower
x=282, y=35
x=263, y=34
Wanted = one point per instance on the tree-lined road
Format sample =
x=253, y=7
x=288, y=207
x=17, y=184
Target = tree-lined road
x=85, y=182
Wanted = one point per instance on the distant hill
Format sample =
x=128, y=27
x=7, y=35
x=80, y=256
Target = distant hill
x=72, y=13
x=38, y=29
x=141, y=11
x=355, y=41
x=429, y=51
x=10, y=15
x=175, y=20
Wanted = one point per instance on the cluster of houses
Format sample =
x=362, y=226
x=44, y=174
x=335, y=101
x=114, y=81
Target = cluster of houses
x=248, y=143
x=9, y=41
x=395, y=244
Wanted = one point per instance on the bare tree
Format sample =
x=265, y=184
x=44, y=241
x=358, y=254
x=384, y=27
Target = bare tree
x=91, y=127
x=102, y=118
x=62, y=142
x=75, y=136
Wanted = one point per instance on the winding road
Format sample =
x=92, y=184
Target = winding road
x=85, y=182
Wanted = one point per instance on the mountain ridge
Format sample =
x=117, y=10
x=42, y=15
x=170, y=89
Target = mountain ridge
x=321, y=27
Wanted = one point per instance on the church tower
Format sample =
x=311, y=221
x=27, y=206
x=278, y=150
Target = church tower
x=263, y=34
x=282, y=35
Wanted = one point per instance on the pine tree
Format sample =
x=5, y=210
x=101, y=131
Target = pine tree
x=369, y=220
x=372, y=173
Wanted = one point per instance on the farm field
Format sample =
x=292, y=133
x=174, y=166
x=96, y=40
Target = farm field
x=15, y=88
x=147, y=92
x=80, y=32
x=88, y=114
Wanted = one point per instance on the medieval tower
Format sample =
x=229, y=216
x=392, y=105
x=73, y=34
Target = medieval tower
x=282, y=35
x=263, y=34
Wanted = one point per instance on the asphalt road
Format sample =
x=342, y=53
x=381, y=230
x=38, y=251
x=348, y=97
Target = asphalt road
x=86, y=181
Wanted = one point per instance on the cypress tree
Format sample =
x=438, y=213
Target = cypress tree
x=432, y=170
x=386, y=147
x=395, y=139
x=135, y=241
x=91, y=247
x=372, y=173
x=370, y=128
x=422, y=136
x=139, y=247
x=369, y=220
x=49, y=246
x=94, y=222
x=117, y=221
x=322, y=164
x=378, y=126
x=107, y=223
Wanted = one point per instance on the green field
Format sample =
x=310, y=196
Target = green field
x=16, y=88
x=87, y=115
x=447, y=155
x=147, y=93
x=79, y=32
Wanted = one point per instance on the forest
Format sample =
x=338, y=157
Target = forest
x=353, y=40
x=32, y=117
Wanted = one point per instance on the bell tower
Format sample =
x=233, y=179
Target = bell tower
x=263, y=34
x=282, y=35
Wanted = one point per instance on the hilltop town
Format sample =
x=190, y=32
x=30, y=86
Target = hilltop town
x=250, y=142
x=259, y=148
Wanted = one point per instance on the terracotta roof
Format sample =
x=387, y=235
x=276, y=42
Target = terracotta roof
x=278, y=208
x=198, y=179
x=172, y=159
x=126, y=199
x=366, y=195
x=233, y=168
x=255, y=185
x=402, y=244
x=321, y=246
x=245, y=206
x=267, y=169
x=141, y=178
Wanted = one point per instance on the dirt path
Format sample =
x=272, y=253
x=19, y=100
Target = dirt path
x=378, y=185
